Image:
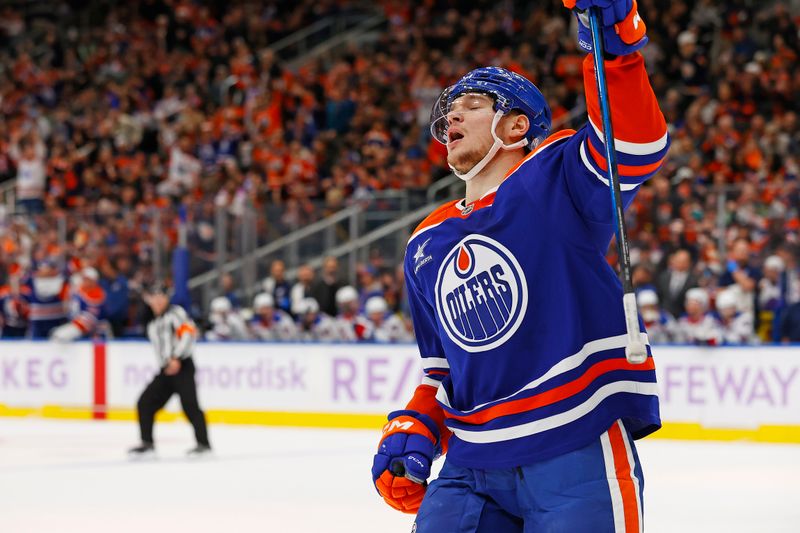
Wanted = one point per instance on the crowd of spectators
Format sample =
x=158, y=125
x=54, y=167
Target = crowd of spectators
x=156, y=103
x=315, y=308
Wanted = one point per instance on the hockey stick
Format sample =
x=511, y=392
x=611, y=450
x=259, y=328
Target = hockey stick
x=635, y=351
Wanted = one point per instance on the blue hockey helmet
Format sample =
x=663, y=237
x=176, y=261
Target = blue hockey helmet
x=510, y=92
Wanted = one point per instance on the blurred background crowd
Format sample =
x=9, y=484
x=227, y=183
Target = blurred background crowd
x=115, y=115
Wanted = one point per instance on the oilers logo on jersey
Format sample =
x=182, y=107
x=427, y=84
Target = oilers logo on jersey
x=481, y=294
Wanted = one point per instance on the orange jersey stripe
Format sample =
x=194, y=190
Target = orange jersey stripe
x=624, y=170
x=622, y=467
x=553, y=395
x=439, y=215
x=634, y=107
x=451, y=210
x=550, y=140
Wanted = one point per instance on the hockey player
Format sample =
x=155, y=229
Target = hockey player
x=518, y=315
x=660, y=325
x=697, y=325
x=172, y=334
x=48, y=302
x=268, y=323
x=14, y=307
x=226, y=322
x=86, y=308
x=312, y=325
x=385, y=326
x=736, y=326
x=350, y=325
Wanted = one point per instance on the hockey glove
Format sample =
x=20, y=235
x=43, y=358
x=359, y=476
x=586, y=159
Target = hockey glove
x=400, y=469
x=623, y=29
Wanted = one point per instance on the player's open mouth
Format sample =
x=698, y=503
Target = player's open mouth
x=453, y=136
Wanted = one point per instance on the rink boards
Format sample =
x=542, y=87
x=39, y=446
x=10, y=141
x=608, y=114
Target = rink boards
x=723, y=393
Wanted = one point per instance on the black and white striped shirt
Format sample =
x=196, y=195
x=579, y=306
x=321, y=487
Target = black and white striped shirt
x=172, y=334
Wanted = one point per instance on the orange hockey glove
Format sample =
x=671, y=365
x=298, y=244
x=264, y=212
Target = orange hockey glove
x=400, y=469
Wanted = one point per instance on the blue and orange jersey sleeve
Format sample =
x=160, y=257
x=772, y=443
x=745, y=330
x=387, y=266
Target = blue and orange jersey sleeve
x=90, y=304
x=434, y=362
x=641, y=141
x=640, y=131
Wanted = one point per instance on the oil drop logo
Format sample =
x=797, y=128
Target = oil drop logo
x=481, y=294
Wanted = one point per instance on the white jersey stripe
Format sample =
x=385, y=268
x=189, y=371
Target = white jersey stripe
x=565, y=365
x=434, y=362
x=629, y=453
x=617, y=507
x=587, y=164
x=634, y=148
x=432, y=382
x=561, y=419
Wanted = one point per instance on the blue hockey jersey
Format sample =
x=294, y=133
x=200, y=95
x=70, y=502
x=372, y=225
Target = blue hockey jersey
x=518, y=315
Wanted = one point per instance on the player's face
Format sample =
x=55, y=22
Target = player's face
x=694, y=308
x=469, y=135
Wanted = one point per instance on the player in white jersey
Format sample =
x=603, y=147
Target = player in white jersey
x=226, y=322
x=313, y=325
x=270, y=324
x=350, y=325
x=697, y=325
x=386, y=326
x=737, y=326
x=661, y=326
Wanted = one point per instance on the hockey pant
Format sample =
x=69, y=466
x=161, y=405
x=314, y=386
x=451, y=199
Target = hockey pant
x=596, y=489
x=158, y=393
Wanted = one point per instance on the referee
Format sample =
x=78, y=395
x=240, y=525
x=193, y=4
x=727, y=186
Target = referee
x=172, y=334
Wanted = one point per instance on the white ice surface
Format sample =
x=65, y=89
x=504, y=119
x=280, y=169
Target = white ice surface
x=73, y=476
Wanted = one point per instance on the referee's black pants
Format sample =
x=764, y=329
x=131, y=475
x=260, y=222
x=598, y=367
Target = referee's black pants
x=158, y=393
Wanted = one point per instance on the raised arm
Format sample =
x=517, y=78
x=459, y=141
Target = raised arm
x=640, y=131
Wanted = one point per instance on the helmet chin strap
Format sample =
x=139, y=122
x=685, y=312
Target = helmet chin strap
x=498, y=144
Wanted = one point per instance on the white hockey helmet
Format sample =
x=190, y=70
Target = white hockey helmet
x=307, y=305
x=647, y=297
x=262, y=300
x=221, y=304
x=698, y=295
x=376, y=304
x=346, y=294
x=775, y=262
x=726, y=300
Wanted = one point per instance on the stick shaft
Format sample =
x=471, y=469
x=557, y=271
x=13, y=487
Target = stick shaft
x=636, y=351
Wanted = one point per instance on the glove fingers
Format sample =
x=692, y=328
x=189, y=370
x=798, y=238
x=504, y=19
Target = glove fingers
x=417, y=467
x=400, y=493
x=404, y=506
